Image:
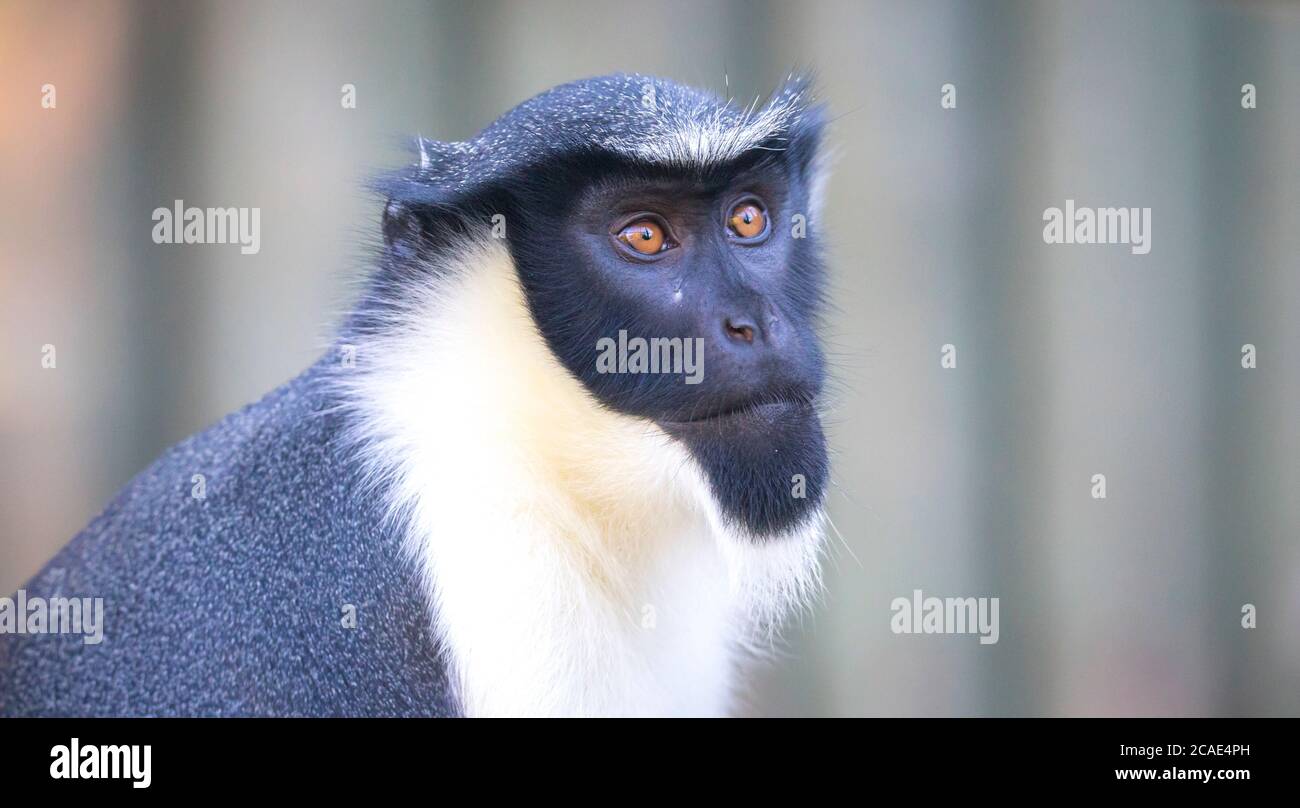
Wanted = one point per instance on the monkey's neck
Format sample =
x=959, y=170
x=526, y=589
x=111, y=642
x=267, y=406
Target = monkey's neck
x=573, y=558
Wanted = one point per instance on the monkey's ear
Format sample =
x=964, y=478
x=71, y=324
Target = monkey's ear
x=431, y=200
x=399, y=224
x=409, y=194
x=405, y=226
x=415, y=229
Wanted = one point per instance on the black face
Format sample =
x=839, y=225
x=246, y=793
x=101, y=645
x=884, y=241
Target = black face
x=717, y=274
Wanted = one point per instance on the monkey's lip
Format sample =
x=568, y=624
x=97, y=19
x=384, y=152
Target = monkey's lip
x=768, y=410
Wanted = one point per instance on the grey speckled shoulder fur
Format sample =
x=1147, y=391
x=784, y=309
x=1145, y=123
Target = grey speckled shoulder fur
x=233, y=604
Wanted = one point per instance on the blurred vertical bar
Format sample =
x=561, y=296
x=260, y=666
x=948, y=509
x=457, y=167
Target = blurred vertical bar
x=1124, y=387
x=162, y=296
x=1005, y=68
x=62, y=273
x=1250, y=240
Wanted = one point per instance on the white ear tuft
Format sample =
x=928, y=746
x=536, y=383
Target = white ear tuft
x=424, y=155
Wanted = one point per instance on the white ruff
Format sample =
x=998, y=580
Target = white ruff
x=575, y=562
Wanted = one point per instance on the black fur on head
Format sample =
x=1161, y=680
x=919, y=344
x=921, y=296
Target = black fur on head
x=567, y=170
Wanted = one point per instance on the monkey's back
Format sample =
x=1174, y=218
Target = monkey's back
x=236, y=602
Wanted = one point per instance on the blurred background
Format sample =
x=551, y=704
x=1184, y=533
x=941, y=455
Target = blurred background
x=1072, y=360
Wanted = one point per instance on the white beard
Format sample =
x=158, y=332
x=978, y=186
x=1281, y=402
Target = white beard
x=575, y=562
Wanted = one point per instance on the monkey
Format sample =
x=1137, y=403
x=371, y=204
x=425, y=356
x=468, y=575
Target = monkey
x=459, y=509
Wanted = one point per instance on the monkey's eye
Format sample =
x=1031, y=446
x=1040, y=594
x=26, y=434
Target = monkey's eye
x=748, y=221
x=645, y=236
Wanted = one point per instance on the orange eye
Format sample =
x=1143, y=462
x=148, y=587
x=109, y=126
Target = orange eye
x=646, y=236
x=747, y=220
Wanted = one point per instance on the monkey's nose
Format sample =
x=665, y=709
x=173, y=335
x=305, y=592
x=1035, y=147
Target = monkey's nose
x=739, y=329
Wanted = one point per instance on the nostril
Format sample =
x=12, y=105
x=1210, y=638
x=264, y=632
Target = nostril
x=741, y=331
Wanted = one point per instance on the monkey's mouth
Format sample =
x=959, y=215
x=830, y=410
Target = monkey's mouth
x=769, y=410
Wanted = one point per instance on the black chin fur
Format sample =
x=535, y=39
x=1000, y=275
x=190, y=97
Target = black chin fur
x=751, y=461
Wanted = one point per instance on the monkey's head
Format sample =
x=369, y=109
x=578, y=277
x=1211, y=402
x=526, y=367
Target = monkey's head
x=667, y=245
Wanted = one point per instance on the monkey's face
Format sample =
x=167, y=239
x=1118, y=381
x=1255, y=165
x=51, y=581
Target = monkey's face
x=690, y=300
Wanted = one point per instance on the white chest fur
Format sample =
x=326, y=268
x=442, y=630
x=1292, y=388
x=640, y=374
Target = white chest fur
x=575, y=561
